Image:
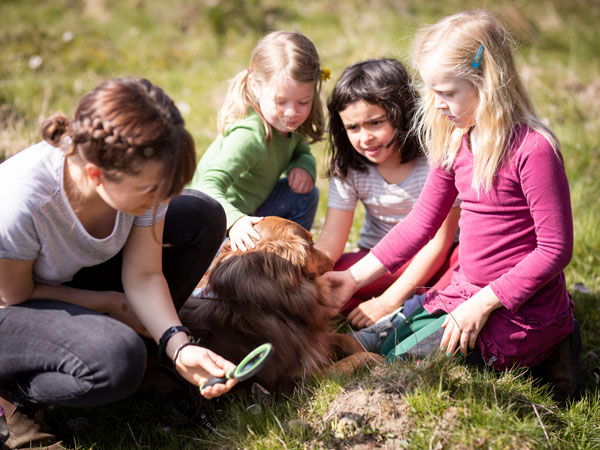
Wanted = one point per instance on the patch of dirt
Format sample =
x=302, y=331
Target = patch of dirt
x=368, y=417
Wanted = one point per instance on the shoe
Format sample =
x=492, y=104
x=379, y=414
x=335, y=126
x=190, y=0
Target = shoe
x=561, y=368
x=3, y=428
x=25, y=429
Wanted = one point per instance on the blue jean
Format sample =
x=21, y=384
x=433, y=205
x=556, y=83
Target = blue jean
x=283, y=202
x=373, y=336
x=53, y=352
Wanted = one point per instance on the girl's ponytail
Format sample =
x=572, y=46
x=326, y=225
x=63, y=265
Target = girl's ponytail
x=278, y=54
x=54, y=129
x=237, y=100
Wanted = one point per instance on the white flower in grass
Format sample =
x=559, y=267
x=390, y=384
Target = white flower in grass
x=35, y=62
x=67, y=36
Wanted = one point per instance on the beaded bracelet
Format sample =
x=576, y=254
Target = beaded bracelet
x=168, y=334
x=179, y=350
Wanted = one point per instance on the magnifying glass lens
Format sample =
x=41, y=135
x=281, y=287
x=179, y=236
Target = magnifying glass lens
x=252, y=363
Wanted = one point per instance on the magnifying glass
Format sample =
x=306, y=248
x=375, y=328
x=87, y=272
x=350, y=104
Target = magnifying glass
x=248, y=367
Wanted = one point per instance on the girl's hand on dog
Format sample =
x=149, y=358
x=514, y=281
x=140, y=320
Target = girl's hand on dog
x=198, y=364
x=243, y=234
x=342, y=285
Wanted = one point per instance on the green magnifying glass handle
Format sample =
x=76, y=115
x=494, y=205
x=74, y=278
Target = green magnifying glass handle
x=216, y=380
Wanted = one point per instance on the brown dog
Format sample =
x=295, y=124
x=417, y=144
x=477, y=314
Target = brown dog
x=273, y=293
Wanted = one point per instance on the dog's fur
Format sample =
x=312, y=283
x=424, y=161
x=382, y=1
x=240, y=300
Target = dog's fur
x=272, y=293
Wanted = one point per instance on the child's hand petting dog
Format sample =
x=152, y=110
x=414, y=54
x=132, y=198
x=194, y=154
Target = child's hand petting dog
x=243, y=234
x=342, y=286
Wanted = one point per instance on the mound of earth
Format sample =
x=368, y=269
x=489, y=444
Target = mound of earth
x=370, y=417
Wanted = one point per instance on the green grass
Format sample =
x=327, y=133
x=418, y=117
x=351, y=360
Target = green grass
x=191, y=48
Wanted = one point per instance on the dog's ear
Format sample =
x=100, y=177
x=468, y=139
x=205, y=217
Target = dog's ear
x=317, y=262
x=292, y=249
x=295, y=243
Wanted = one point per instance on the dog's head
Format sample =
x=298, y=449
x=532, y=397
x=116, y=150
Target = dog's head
x=288, y=240
x=271, y=293
x=281, y=274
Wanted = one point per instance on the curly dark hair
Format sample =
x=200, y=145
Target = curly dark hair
x=383, y=82
x=124, y=123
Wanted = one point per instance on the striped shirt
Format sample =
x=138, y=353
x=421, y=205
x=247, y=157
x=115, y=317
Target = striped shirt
x=37, y=222
x=385, y=204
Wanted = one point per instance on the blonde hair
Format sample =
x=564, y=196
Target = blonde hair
x=278, y=55
x=503, y=101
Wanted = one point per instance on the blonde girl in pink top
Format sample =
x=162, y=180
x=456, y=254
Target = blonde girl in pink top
x=507, y=298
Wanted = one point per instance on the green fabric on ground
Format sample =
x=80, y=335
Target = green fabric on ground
x=417, y=327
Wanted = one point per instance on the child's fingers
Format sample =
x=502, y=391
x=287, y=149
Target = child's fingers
x=253, y=236
x=300, y=188
x=304, y=187
x=255, y=219
x=472, y=340
x=446, y=320
x=444, y=340
x=360, y=320
x=453, y=341
x=248, y=242
x=238, y=244
x=353, y=316
x=464, y=341
x=366, y=322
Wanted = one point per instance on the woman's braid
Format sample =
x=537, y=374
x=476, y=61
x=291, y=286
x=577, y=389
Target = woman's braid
x=124, y=123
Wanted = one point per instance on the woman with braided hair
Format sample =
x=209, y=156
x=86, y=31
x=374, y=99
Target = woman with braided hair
x=97, y=247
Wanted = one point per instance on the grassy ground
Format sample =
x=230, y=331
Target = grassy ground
x=53, y=52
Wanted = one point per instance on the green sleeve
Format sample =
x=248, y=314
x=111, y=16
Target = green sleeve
x=224, y=161
x=303, y=158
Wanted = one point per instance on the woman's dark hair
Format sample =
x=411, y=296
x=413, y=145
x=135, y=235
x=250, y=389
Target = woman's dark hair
x=382, y=82
x=124, y=123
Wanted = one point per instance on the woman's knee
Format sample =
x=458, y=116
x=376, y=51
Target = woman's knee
x=195, y=217
x=121, y=363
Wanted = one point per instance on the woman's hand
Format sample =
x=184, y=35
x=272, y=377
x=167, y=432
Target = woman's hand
x=463, y=325
x=369, y=312
x=300, y=181
x=198, y=364
x=243, y=234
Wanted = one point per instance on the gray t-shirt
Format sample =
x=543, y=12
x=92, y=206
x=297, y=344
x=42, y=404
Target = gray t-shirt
x=385, y=204
x=38, y=223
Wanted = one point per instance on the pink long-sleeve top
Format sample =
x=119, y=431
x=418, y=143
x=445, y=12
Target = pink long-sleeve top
x=517, y=238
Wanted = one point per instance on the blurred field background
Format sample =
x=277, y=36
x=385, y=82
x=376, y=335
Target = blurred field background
x=52, y=52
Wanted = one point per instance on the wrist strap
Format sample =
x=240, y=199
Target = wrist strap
x=168, y=334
